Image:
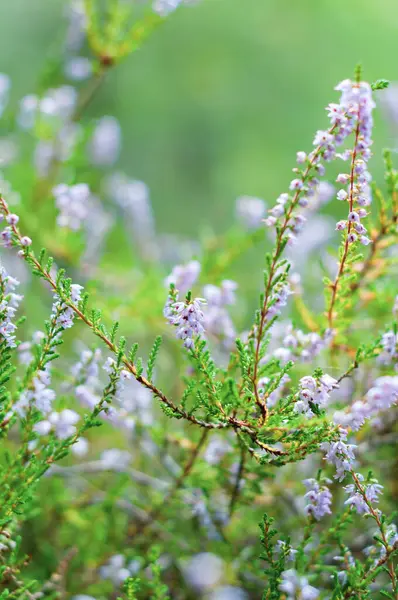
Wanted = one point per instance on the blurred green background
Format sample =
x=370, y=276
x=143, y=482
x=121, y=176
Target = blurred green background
x=219, y=99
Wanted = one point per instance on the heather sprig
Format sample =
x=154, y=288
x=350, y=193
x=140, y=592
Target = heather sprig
x=218, y=418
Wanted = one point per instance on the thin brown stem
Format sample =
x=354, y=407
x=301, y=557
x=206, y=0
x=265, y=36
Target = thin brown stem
x=343, y=260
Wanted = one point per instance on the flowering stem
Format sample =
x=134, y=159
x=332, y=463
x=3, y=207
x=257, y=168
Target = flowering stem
x=272, y=271
x=340, y=272
x=389, y=549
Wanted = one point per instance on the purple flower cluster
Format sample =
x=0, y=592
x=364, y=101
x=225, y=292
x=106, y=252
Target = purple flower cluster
x=7, y=233
x=86, y=370
x=132, y=196
x=250, y=211
x=379, y=398
x=314, y=392
x=297, y=345
x=61, y=312
x=40, y=395
x=61, y=423
x=72, y=203
x=183, y=277
x=188, y=317
x=25, y=355
x=78, y=68
x=9, y=302
x=372, y=491
x=105, y=144
x=319, y=498
x=390, y=349
x=356, y=101
x=340, y=454
x=352, y=114
x=55, y=107
x=278, y=300
x=130, y=401
x=217, y=321
x=297, y=586
x=117, y=570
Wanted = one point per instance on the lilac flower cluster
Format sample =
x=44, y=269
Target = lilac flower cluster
x=188, y=317
x=130, y=401
x=53, y=113
x=372, y=491
x=356, y=100
x=390, y=349
x=76, y=26
x=340, y=454
x=86, y=370
x=39, y=394
x=278, y=300
x=61, y=423
x=54, y=108
x=7, y=233
x=9, y=302
x=76, y=68
x=353, y=112
x=319, y=498
x=105, y=144
x=217, y=321
x=379, y=398
x=61, y=312
x=132, y=196
x=183, y=277
x=297, y=586
x=297, y=345
x=250, y=211
x=25, y=355
x=118, y=570
x=72, y=203
x=314, y=392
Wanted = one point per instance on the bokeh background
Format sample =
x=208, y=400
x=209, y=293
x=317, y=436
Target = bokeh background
x=218, y=101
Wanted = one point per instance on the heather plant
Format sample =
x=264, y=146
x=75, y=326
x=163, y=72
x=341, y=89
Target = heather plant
x=151, y=415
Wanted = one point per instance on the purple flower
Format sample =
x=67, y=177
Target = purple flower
x=319, y=498
x=72, y=203
x=9, y=302
x=342, y=195
x=339, y=454
x=293, y=584
x=105, y=144
x=296, y=184
x=184, y=276
x=312, y=391
x=188, y=318
x=372, y=491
